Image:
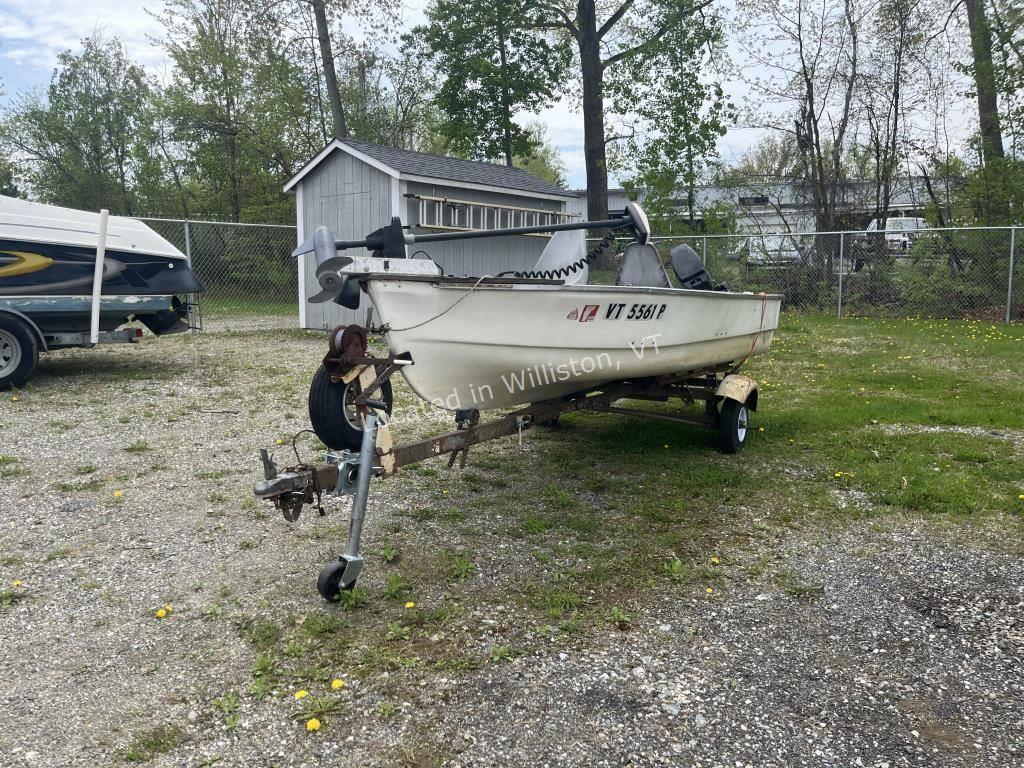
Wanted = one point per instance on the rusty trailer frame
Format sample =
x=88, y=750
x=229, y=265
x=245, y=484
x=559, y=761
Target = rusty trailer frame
x=349, y=473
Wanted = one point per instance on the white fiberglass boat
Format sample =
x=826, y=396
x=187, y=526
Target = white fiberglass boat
x=495, y=343
x=542, y=340
x=54, y=295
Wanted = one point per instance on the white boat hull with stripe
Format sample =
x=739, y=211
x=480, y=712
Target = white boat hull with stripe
x=494, y=344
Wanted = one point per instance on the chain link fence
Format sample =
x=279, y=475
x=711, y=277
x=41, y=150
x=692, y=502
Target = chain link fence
x=963, y=273
x=250, y=277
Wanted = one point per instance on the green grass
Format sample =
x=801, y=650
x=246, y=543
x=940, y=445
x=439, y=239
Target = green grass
x=213, y=306
x=871, y=420
x=147, y=744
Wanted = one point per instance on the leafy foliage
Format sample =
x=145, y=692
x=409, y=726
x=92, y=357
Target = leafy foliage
x=495, y=63
x=87, y=143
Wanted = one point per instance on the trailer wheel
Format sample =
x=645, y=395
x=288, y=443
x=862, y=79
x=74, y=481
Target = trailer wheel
x=732, y=426
x=19, y=352
x=328, y=583
x=334, y=419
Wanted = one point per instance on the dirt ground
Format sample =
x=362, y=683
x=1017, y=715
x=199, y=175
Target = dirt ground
x=125, y=490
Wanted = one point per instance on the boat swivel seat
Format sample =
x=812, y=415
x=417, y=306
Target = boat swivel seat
x=641, y=267
x=564, y=256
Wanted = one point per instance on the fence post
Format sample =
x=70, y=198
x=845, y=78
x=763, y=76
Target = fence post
x=192, y=298
x=704, y=249
x=1009, y=278
x=839, y=301
x=188, y=245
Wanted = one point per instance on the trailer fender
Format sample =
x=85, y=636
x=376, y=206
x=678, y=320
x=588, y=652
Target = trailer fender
x=40, y=340
x=742, y=389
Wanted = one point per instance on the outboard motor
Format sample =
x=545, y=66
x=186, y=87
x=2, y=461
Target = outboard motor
x=690, y=270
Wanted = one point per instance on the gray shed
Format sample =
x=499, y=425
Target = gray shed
x=354, y=187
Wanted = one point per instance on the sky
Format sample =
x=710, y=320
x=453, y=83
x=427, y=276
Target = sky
x=34, y=32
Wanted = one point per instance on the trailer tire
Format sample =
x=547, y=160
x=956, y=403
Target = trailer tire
x=732, y=425
x=19, y=352
x=331, y=420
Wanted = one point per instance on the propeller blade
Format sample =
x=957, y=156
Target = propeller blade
x=323, y=297
x=333, y=264
x=321, y=243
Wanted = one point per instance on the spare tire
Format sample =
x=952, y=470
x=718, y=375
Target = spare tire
x=334, y=420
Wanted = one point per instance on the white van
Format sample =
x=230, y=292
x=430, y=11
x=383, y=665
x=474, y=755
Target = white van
x=899, y=231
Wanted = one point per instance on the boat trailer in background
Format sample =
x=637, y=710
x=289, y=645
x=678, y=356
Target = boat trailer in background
x=728, y=397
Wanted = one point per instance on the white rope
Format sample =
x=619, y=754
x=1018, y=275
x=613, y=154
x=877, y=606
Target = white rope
x=445, y=312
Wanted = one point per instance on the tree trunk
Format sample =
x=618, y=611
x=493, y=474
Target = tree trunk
x=984, y=80
x=594, y=150
x=506, y=113
x=330, y=75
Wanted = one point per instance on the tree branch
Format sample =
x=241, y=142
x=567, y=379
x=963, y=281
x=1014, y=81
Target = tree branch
x=656, y=37
x=614, y=18
x=565, y=23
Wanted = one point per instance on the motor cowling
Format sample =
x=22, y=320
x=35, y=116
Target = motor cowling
x=690, y=270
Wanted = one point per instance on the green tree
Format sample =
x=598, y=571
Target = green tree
x=389, y=97
x=543, y=160
x=606, y=37
x=680, y=112
x=8, y=186
x=495, y=63
x=84, y=144
x=236, y=104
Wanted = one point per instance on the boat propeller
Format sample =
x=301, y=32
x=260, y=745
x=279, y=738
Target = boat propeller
x=332, y=282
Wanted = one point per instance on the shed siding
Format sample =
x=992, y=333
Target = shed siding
x=351, y=199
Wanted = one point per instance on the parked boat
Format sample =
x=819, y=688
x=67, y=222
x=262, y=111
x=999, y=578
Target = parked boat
x=541, y=341
x=47, y=270
x=494, y=344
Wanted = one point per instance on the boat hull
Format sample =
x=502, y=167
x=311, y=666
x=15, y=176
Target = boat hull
x=495, y=345
x=48, y=263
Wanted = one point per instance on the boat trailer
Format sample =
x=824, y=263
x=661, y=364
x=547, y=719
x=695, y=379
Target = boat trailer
x=349, y=472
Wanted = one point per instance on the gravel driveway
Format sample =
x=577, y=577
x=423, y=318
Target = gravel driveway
x=125, y=485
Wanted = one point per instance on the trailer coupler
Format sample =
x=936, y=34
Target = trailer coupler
x=343, y=473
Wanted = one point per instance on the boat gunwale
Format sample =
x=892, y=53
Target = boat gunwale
x=492, y=283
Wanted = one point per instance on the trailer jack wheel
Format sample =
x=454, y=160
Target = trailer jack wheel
x=732, y=425
x=333, y=579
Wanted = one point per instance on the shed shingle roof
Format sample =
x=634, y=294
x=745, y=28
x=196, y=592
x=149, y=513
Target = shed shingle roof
x=408, y=162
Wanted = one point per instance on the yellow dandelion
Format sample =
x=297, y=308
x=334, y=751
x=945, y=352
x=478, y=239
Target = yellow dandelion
x=1021, y=497
x=312, y=725
x=161, y=613
x=760, y=429
x=715, y=560
x=337, y=684
x=118, y=494
x=709, y=590
x=18, y=582
x=410, y=604
x=839, y=474
x=279, y=441
x=301, y=694
x=15, y=399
